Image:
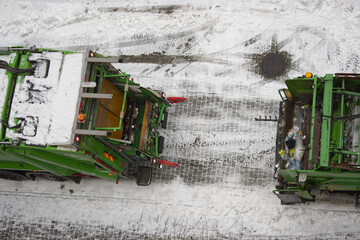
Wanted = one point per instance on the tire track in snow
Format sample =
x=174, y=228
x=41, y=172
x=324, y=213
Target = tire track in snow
x=150, y=40
x=12, y=228
x=177, y=226
x=158, y=58
x=220, y=170
x=155, y=9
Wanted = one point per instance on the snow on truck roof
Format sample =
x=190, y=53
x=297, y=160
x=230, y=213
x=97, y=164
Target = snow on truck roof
x=47, y=106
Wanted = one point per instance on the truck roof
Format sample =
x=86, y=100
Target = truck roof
x=47, y=106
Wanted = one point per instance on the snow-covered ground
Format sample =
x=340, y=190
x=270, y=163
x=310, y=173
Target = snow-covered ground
x=209, y=52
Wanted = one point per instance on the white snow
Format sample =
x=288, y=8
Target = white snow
x=64, y=105
x=177, y=210
x=48, y=102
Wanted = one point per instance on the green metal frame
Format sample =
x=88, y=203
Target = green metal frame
x=120, y=76
x=326, y=121
x=333, y=171
x=313, y=119
x=91, y=157
x=10, y=88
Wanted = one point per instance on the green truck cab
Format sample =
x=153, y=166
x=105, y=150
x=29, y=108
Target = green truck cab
x=317, y=147
x=70, y=115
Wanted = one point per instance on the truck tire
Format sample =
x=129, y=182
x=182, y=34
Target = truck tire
x=164, y=120
x=11, y=175
x=144, y=176
x=161, y=141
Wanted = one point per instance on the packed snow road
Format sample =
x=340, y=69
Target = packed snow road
x=214, y=55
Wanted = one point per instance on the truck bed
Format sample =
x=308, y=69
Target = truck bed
x=109, y=110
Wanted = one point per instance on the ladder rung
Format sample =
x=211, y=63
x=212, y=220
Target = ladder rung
x=104, y=60
x=90, y=132
x=96, y=95
x=88, y=84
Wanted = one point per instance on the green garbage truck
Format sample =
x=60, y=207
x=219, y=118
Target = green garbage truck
x=317, y=147
x=69, y=115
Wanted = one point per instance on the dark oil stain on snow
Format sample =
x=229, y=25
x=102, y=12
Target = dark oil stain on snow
x=260, y=63
x=271, y=64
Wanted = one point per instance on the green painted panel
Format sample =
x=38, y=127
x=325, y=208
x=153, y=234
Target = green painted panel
x=326, y=121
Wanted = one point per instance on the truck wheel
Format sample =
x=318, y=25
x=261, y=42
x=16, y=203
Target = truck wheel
x=10, y=175
x=161, y=141
x=164, y=120
x=144, y=176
